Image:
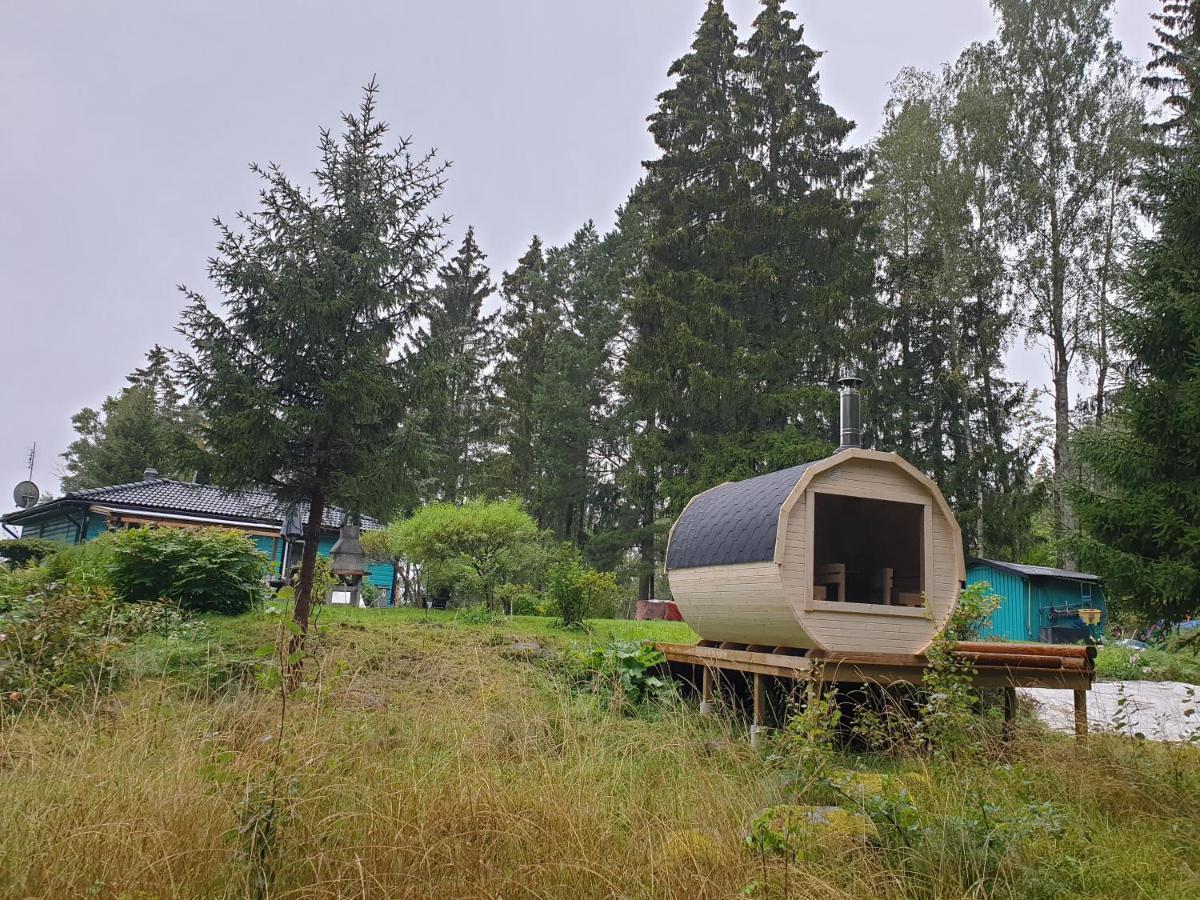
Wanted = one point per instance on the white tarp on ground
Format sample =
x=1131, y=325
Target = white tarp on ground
x=1153, y=708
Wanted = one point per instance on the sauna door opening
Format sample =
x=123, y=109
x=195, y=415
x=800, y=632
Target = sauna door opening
x=868, y=551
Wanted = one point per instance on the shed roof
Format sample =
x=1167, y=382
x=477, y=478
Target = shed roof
x=1036, y=571
x=734, y=522
x=167, y=495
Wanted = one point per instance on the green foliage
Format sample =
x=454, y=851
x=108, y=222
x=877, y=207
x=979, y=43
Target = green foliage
x=751, y=288
x=147, y=424
x=1139, y=511
x=206, y=570
x=451, y=355
x=480, y=539
x=1151, y=664
x=940, y=398
x=297, y=375
x=947, y=723
x=976, y=604
x=522, y=600
x=580, y=593
x=623, y=674
x=19, y=552
x=972, y=846
x=811, y=735
x=57, y=639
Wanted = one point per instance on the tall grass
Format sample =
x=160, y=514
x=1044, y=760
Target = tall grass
x=426, y=761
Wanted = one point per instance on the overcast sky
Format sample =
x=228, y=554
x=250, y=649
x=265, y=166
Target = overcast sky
x=125, y=127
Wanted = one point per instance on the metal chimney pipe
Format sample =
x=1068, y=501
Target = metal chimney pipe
x=851, y=412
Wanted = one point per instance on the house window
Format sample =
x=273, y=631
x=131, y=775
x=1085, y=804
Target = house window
x=868, y=551
x=1085, y=590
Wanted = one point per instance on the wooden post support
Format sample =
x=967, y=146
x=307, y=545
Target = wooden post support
x=706, y=690
x=756, y=724
x=1010, y=713
x=1081, y=719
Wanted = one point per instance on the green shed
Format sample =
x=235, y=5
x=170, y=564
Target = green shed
x=1038, y=603
x=81, y=516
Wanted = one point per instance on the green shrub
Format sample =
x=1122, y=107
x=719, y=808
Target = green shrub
x=23, y=551
x=56, y=639
x=580, y=593
x=207, y=570
x=625, y=672
x=523, y=600
x=976, y=604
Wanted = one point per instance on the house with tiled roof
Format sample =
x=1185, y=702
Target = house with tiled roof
x=81, y=516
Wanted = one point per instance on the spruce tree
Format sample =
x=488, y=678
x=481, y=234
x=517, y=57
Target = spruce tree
x=530, y=318
x=805, y=291
x=147, y=425
x=299, y=376
x=1141, y=514
x=753, y=289
x=681, y=377
x=453, y=353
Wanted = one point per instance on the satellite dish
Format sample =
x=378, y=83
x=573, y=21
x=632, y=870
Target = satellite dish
x=25, y=494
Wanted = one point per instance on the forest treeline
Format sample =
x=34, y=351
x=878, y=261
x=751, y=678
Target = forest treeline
x=1018, y=194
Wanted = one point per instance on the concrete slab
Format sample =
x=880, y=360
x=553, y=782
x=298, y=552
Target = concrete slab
x=1153, y=708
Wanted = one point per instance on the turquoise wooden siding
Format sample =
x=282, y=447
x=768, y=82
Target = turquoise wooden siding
x=1011, y=620
x=52, y=528
x=1024, y=611
x=96, y=526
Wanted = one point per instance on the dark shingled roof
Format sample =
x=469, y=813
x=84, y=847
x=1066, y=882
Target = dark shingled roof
x=1036, y=571
x=733, y=523
x=167, y=496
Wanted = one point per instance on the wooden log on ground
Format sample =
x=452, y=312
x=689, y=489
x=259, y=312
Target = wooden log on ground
x=1060, y=650
x=1010, y=660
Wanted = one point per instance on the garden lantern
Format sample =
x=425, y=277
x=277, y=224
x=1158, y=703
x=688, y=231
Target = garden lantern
x=348, y=561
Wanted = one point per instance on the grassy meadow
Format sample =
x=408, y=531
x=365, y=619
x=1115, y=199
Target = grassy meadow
x=429, y=757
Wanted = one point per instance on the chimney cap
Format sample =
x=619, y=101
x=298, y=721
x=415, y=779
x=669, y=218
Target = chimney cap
x=150, y=474
x=850, y=381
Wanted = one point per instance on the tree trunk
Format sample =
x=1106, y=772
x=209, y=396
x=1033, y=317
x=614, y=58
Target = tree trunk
x=308, y=563
x=1064, y=520
x=646, y=542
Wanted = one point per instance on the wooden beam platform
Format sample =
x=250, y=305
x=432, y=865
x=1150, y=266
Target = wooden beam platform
x=993, y=665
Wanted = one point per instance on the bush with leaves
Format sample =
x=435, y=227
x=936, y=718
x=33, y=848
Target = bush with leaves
x=206, y=570
x=57, y=638
x=478, y=541
x=22, y=551
x=581, y=593
x=946, y=715
x=625, y=673
x=976, y=604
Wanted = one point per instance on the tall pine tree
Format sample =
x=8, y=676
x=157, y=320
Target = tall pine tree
x=1141, y=516
x=753, y=289
x=452, y=355
x=147, y=425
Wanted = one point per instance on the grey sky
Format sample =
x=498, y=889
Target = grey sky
x=125, y=127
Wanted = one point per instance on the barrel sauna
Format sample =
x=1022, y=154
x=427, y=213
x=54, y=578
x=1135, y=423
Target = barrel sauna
x=857, y=552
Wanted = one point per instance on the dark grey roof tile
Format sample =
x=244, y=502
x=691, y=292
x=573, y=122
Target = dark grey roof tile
x=206, y=499
x=733, y=523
